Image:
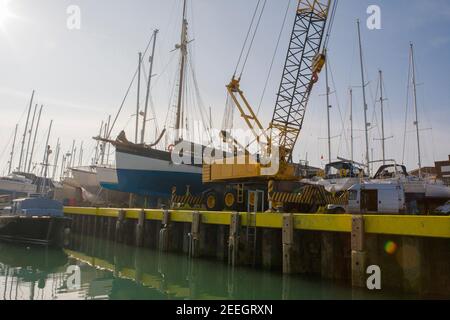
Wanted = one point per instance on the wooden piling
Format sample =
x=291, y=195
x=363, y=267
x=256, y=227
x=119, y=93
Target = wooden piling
x=194, y=235
x=140, y=229
x=287, y=242
x=358, y=259
x=119, y=226
x=233, y=240
x=164, y=232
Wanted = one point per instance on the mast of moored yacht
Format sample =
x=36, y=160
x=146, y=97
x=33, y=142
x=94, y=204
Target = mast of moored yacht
x=12, y=149
x=416, y=122
x=25, y=132
x=34, y=139
x=55, y=166
x=149, y=81
x=328, y=108
x=138, y=98
x=183, y=53
x=47, y=149
x=80, y=155
x=96, y=157
x=383, y=139
x=363, y=83
x=105, y=136
x=71, y=154
x=351, y=124
x=30, y=132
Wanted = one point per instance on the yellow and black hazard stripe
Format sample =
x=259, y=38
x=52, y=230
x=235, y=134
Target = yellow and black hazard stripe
x=309, y=195
x=187, y=199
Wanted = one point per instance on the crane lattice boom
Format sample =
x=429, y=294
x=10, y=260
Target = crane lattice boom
x=303, y=63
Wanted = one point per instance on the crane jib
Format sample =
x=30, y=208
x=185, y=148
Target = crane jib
x=303, y=63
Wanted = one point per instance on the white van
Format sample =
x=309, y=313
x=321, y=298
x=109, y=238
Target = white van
x=373, y=198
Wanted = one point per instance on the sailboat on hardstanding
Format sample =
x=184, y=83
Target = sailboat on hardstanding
x=146, y=170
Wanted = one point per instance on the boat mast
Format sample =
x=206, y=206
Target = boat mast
x=25, y=132
x=80, y=157
x=12, y=150
x=55, y=166
x=351, y=124
x=29, y=136
x=63, y=164
x=383, y=138
x=104, y=143
x=46, y=153
x=416, y=123
x=328, y=107
x=147, y=95
x=138, y=98
x=364, y=98
x=183, y=53
x=34, y=139
x=71, y=154
x=96, y=157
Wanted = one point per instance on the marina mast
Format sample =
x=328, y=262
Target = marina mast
x=183, y=53
x=351, y=124
x=366, y=124
x=29, y=137
x=383, y=137
x=55, y=166
x=46, y=153
x=147, y=95
x=25, y=132
x=12, y=150
x=34, y=139
x=416, y=122
x=138, y=98
x=328, y=108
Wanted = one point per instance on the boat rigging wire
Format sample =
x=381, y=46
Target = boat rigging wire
x=406, y=109
x=128, y=89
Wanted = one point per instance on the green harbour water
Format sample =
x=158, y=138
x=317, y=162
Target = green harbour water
x=114, y=271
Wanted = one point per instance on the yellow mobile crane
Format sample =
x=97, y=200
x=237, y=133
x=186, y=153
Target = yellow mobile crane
x=238, y=184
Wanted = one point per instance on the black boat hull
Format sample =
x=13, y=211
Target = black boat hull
x=49, y=231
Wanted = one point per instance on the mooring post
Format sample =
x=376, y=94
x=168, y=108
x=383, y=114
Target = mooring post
x=164, y=232
x=194, y=235
x=233, y=240
x=358, y=252
x=119, y=225
x=288, y=242
x=109, y=228
x=413, y=266
x=140, y=229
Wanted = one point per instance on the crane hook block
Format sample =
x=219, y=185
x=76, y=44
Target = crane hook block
x=318, y=63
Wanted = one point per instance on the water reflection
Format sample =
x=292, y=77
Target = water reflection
x=115, y=271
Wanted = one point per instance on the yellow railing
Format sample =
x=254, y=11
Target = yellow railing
x=412, y=225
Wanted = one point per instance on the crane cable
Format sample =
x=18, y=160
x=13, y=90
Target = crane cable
x=273, y=57
x=247, y=38
x=253, y=38
x=330, y=24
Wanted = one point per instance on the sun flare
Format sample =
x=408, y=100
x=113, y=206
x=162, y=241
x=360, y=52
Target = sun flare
x=5, y=12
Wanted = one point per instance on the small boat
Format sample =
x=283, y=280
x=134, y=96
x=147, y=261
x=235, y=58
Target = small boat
x=17, y=185
x=338, y=176
x=34, y=220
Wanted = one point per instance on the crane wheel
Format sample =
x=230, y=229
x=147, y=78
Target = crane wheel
x=212, y=201
x=230, y=200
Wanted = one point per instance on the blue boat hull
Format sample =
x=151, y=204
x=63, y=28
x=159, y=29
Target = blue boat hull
x=157, y=183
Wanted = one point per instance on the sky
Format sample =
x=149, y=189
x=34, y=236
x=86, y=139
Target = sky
x=81, y=75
